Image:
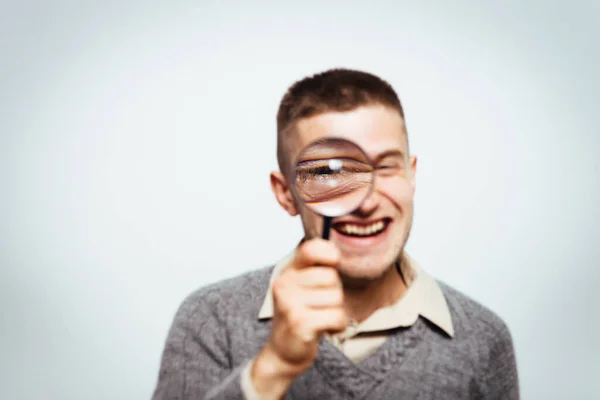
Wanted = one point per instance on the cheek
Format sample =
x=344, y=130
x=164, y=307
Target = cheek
x=311, y=222
x=399, y=191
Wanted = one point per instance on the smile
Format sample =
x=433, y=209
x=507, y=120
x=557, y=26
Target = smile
x=361, y=230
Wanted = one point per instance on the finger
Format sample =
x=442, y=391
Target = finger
x=316, y=252
x=318, y=277
x=322, y=298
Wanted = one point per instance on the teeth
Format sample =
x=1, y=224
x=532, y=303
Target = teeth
x=362, y=230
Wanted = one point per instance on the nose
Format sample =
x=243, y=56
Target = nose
x=369, y=205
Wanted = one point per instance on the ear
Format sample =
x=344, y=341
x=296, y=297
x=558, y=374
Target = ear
x=282, y=193
x=413, y=171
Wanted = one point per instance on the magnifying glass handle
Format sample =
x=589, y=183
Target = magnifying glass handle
x=326, y=227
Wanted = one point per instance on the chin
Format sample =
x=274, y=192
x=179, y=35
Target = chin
x=363, y=275
x=363, y=269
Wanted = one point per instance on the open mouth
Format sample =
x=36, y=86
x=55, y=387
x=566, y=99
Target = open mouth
x=356, y=229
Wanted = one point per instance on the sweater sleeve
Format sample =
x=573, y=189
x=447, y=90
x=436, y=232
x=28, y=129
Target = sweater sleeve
x=195, y=362
x=501, y=378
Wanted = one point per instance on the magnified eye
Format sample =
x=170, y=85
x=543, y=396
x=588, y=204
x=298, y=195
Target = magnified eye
x=327, y=167
x=333, y=176
x=324, y=170
x=327, y=189
x=325, y=180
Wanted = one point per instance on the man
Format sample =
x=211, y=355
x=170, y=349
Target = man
x=354, y=317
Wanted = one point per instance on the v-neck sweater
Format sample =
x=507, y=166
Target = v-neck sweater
x=216, y=333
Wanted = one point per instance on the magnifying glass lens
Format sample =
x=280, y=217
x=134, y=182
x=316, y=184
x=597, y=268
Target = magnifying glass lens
x=333, y=177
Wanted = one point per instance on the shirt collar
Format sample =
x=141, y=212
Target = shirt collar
x=424, y=298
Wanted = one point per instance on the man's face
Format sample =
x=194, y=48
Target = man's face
x=372, y=237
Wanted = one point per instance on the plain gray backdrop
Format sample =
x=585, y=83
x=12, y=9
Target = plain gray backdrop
x=136, y=139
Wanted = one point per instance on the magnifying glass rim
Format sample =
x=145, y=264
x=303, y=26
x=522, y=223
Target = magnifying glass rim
x=324, y=141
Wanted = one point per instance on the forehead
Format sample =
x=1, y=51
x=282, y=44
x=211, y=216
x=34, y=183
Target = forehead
x=376, y=129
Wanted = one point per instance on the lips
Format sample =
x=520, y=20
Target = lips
x=361, y=228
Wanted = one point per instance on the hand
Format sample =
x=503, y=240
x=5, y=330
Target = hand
x=308, y=301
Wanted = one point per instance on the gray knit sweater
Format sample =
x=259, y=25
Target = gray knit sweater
x=216, y=332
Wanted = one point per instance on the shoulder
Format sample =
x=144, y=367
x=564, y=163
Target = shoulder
x=472, y=319
x=487, y=340
x=239, y=295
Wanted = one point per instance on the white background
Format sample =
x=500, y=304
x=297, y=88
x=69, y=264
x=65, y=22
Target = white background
x=136, y=141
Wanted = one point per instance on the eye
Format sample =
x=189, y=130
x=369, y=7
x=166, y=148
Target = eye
x=320, y=171
x=387, y=166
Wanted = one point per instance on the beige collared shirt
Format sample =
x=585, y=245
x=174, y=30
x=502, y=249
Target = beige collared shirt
x=423, y=298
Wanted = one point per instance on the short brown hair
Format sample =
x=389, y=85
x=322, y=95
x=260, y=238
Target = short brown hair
x=336, y=90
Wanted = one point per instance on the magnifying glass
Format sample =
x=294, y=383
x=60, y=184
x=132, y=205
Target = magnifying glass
x=333, y=177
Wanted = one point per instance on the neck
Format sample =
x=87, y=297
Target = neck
x=364, y=299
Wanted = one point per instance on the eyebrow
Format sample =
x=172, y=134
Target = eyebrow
x=333, y=151
x=388, y=153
